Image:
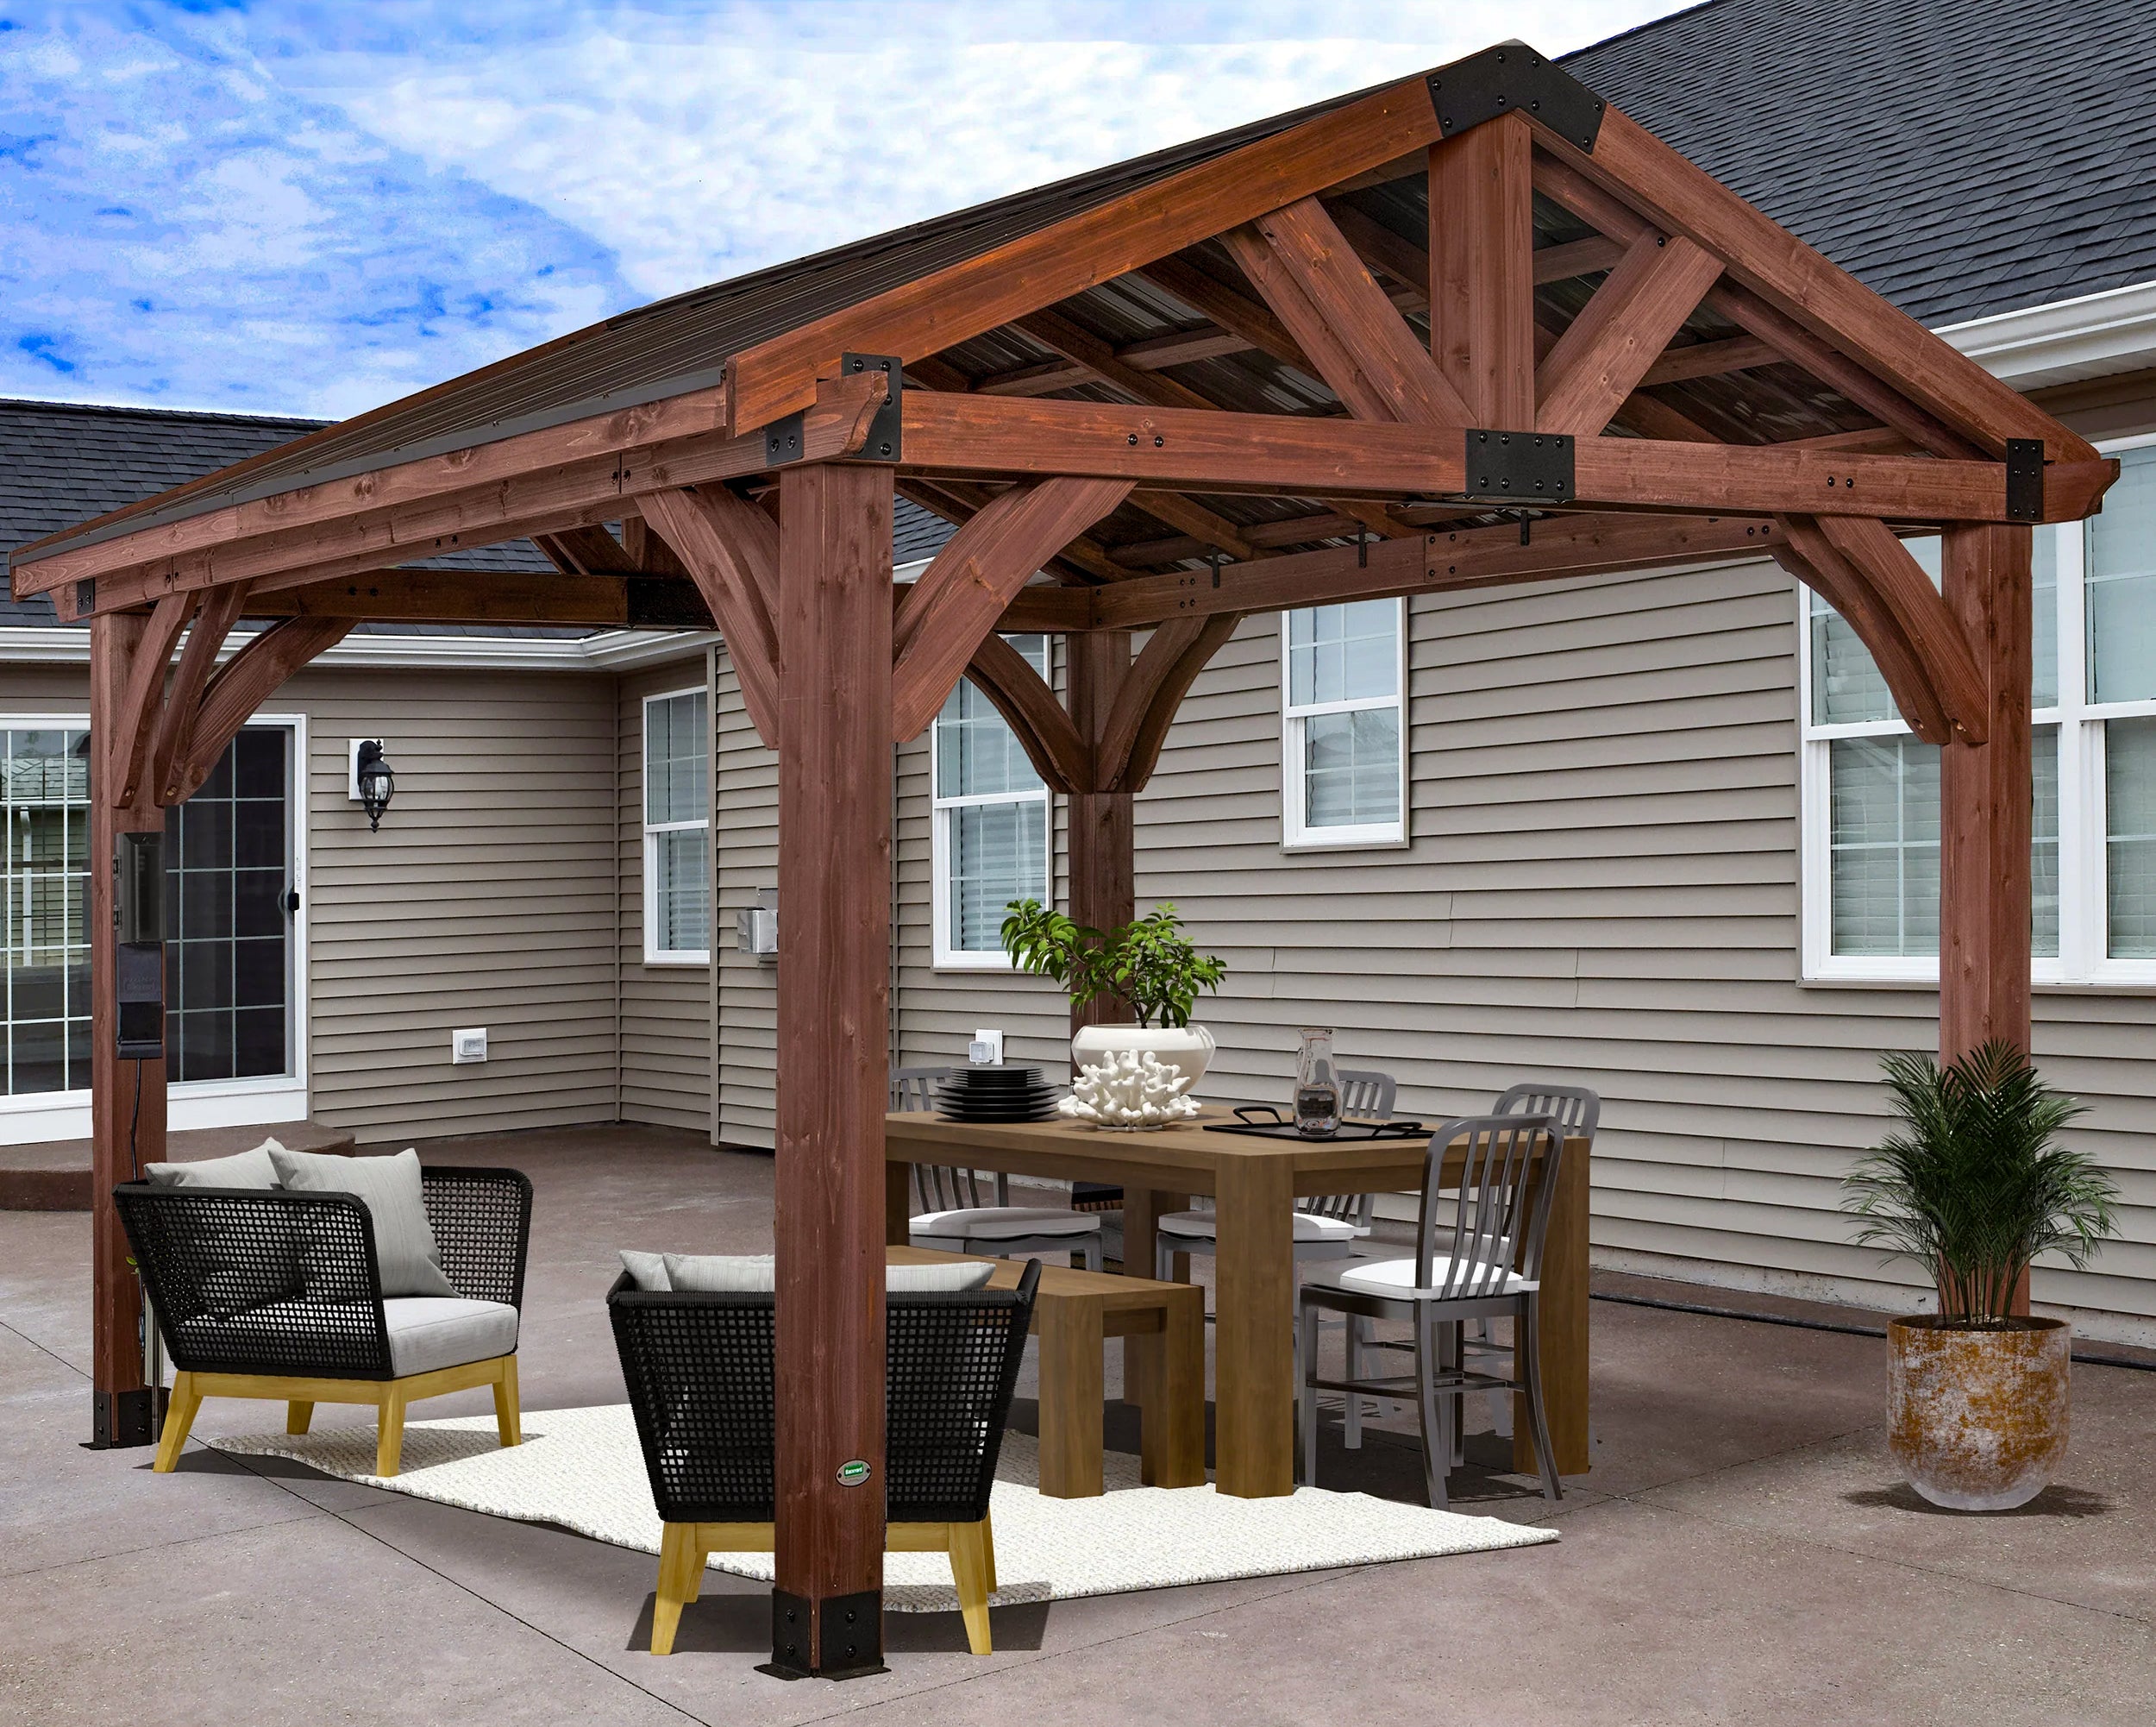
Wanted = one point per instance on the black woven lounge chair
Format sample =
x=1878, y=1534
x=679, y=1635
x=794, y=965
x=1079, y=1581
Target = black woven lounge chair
x=699, y=1374
x=270, y=1293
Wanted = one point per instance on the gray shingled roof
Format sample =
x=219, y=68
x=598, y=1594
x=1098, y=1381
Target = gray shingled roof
x=1959, y=160
x=63, y=462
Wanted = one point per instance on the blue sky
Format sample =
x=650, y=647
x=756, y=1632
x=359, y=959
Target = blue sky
x=315, y=208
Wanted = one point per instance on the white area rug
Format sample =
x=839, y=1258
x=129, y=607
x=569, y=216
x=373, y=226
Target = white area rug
x=584, y=1470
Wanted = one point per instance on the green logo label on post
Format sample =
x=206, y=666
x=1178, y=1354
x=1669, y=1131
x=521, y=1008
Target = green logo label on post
x=852, y=1474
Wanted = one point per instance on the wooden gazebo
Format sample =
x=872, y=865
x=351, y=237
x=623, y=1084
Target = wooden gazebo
x=1469, y=327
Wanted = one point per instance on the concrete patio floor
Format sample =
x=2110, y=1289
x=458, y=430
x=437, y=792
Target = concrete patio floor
x=1741, y=1552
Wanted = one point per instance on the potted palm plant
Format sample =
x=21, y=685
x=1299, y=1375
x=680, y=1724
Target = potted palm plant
x=1973, y=1188
x=1148, y=964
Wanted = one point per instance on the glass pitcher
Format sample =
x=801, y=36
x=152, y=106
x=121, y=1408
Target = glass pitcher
x=1317, y=1085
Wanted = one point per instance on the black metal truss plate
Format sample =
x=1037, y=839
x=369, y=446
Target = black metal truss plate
x=1519, y=466
x=2024, y=480
x=886, y=439
x=1513, y=78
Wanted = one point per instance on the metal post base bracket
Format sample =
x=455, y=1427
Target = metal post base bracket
x=125, y=1418
x=1513, y=78
x=850, y=1637
x=1520, y=467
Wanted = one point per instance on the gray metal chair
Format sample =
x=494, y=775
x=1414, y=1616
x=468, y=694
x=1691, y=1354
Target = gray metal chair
x=1460, y=1270
x=1575, y=1111
x=970, y=1211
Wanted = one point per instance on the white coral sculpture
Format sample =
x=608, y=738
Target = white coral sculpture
x=1131, y=1090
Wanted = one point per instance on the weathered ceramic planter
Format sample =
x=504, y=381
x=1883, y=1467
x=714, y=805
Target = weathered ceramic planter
x=1188, y=1049
x=1977, y=1419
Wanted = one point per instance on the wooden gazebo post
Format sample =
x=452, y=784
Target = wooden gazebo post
x=835, y=728
x=127, y=1098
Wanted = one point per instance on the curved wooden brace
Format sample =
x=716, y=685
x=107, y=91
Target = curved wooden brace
x=1047, y=734
x=731, y=549
x=1899, y=616
x=1145, y=706
x=244, y=682
x=128, y=748
x=942, y=619
x=198, y=659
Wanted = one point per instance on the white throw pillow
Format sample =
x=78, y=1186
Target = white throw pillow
x=404, y=1247
x=753, y=1274
x=646, y=1271
x=241, y=1169
x=720, y=1274
x=944, y=1279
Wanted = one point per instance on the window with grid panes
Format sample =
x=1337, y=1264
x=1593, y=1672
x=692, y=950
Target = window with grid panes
x=1343, y=778
x=1870, y=798
x=990, y=839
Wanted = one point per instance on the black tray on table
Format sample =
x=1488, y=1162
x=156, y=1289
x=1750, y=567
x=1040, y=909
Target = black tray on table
x=1281, y=1127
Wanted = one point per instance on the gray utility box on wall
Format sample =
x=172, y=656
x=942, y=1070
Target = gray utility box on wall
x=756, y=927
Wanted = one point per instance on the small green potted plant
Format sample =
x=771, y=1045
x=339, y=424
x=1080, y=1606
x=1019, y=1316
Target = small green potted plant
x=1973, y=1188
x=1148, y=966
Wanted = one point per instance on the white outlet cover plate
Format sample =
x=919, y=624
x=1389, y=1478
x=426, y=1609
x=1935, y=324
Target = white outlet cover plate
x=468, y=1045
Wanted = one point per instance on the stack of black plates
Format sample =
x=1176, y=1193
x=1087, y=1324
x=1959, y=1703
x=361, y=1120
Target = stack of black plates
x=996, y=1094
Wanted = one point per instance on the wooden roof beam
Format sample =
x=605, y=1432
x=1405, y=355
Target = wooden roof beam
x=1635, y=168
x=1289, y=456
x=1481, y=280
x=1437, y=561
x=926, y=316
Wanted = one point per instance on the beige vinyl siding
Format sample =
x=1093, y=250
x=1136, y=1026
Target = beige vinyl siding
x=666, y=1041
x=485, y=899
x=747, y=841
x=1601, y=885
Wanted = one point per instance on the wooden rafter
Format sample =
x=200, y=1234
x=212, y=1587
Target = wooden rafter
x=1606, y=352
x=1250, y=319
x=923, y=316
x=584, y=490
x=955, y=601
x=587, y=551
x=732, y=550
x=1634, y=166
x=1319, y=289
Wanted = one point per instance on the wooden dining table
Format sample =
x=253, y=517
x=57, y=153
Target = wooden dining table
x=1254, y=1183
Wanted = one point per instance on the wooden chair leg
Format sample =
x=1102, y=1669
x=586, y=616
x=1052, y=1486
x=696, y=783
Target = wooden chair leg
x=693, y=1571
x=988, y=1552
x=674, y=1548
x=969, y=1572
x=180, y=1415
x=508, y=1417
x=299, y=1416
x=389, y=1433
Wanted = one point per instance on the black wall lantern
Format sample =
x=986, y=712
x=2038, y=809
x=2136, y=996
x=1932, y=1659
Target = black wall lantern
x=378, y=783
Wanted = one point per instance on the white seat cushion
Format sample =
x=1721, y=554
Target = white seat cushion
x=1195, y=1226
x=1004, y=1223
x=1397, y=1278
x=427, y=1332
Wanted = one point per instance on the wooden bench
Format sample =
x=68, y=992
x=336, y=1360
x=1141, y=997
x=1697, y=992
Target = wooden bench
x=1164, y=1366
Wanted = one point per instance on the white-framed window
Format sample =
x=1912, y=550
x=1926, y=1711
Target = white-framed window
x=1870, y=791
x=990, y=832
x=1343, y=712
x=677, y=829
x=235, y=952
